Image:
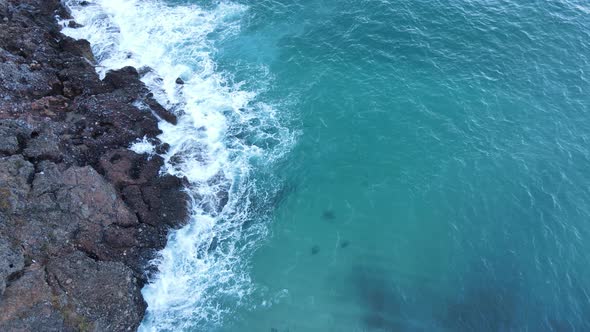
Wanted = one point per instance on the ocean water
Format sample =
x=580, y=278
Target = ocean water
x=367, y=165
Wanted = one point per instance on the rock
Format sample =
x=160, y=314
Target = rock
x=167, y=204
x=8, y=143
x=160, y=111
x=79, y=78
x=124, y=167
x=155, y=200
x=111, y=121
x=113, y=306
x=11, y=262
x=44, y=145
x=15, y=175
x=121, y=78
x=74, y=25
x=51, y=103
x=179, y=81
x=29, y=305
x=18, y=80
x=12, y=133
x=81, y=216
x=86, y=194
x=79, y=48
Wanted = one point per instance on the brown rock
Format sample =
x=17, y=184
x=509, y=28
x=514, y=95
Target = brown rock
x=75, y=244
x=53, y=103
x=29, y=304
x=124, y=167
x=88, y=307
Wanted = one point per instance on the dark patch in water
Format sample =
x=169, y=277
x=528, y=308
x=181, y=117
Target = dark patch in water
x=379, y=297
x=479, y=301
x=344, y=244
x=315, y=250
x=560, y=326
x=282, y=194
x=263, y=205
x=489, y=302
x=486, y=308
x=328, y=215
x=378, y=321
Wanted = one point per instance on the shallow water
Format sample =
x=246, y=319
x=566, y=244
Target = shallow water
x=391, y=165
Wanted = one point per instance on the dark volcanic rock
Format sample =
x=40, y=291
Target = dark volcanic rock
x=12, y=134
x=19, y=81
x=154, y=199
x=80, y=214
x=160, y=111
x=11, y=262
x=114, y=306
x=43, y=145
x=29, y=304
x=15, y=176
x=79, y=48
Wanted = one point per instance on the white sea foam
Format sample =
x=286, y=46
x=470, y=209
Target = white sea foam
x=143, y=146
x=202, y=269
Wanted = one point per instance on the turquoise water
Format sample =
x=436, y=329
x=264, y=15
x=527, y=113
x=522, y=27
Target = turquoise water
x=390, y=165
x=441, y=178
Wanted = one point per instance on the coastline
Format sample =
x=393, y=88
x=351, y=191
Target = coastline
x=81, y=215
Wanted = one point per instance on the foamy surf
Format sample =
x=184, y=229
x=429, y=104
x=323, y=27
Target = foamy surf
x=203, y=270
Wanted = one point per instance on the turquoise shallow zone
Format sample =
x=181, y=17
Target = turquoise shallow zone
x=440, y=179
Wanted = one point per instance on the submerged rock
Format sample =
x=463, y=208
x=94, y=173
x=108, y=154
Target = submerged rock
x=315, y=250
x=74, y=25
x=328, y=215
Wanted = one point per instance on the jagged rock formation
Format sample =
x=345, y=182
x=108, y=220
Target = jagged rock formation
x=80, y=215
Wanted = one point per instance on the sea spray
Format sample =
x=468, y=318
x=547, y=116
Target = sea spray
x=220, y=136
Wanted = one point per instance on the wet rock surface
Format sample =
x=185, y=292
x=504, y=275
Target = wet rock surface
x=81, y=216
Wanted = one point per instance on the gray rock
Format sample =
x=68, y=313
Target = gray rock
x=29, y=305
x=113, y=306
x=15, y=175
x=80, y=215
x=11, y=262
x=44, y=146
x=11, y=133
x=19, y=80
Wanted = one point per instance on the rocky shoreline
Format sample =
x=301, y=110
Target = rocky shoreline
x=81, y=216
